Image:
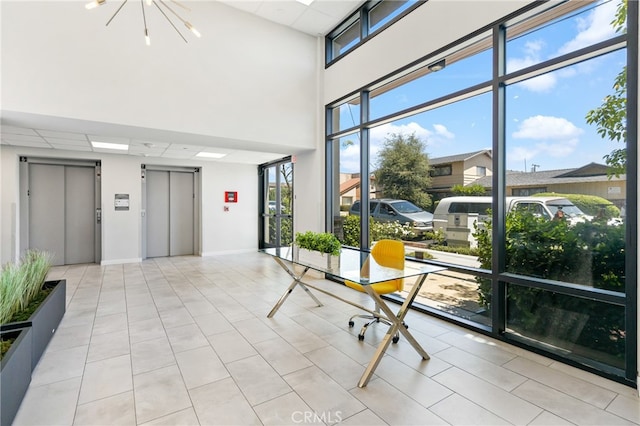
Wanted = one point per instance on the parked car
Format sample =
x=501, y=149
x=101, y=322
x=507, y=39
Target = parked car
x=455, y=216
x=403, y=211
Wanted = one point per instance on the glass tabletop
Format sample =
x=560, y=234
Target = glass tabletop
x=352, y=264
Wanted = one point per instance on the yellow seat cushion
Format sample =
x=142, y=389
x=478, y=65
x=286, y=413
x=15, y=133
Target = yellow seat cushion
x=389, y=253
x=380, y=288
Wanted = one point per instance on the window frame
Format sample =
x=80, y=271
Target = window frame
x=499, y=278
x=361, y=18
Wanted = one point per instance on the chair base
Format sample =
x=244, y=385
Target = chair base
x=372, y=320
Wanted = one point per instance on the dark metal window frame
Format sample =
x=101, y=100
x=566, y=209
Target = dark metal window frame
x=360, y=17
x=497, y=86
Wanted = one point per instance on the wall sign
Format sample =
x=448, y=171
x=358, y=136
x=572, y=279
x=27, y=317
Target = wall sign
x=231, y=196
x=122, y=202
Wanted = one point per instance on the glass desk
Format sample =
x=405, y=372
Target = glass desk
x=357, y=266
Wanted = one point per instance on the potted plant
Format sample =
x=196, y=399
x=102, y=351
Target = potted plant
x=317, y=248
x=30, y=311
x=31, y=299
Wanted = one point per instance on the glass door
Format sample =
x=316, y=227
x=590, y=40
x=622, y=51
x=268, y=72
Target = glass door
x=276, y=203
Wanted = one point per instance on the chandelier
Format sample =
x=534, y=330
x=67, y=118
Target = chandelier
x=162, y=6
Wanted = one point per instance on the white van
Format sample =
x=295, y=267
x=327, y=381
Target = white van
x=456, y=216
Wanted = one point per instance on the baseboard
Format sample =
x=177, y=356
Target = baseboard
x=223, y=252
x=120, y=261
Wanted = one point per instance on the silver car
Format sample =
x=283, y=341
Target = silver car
x=402, y=211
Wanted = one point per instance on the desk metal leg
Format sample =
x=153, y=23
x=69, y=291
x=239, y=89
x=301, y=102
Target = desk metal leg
x=397, y=320
x=296, y=281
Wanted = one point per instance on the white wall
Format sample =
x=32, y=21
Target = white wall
x=308, y=205
x=9, y=223
x=247, y=80
x=235, y=230
x=431, y=26
x=246, y=83
x=222, y=232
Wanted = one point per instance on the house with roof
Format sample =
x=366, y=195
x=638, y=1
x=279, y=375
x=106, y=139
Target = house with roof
x=591, y=179
x=459, y=169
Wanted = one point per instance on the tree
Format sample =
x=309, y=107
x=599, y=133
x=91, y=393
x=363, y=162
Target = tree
x=403, y=169
x=611, y=117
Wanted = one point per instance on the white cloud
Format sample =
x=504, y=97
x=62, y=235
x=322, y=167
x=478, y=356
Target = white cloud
x=545, y=127
x=593, y=28
x=552, y=137
x=350, y=158
x=441, y=130
x=350, y=155
x=380, y=133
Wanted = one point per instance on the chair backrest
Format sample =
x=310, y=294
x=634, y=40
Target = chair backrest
x=390, y=253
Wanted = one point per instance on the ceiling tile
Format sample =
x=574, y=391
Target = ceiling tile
x=23, y=138
x=110, y=151
x=149, y=144
x=281, y=12
x=62, y=135
x=31, y=144
x=69, y=142
x=185, y=148
x=12, y=130
x=312, y=21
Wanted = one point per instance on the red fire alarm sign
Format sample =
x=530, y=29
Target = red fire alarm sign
x=231, y=197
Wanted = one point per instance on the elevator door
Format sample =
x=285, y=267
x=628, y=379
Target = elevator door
x=61, y=212
x=170, y=210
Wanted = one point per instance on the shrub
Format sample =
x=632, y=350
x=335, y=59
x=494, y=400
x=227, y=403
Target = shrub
x=377, y=231
x=588, y=253
x=470, y=251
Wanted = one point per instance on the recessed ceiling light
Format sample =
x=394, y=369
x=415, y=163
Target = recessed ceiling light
x=107, y=145
x=210, y=154
x=305, y=2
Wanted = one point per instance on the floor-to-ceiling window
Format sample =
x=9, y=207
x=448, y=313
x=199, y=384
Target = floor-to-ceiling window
x=536, y=107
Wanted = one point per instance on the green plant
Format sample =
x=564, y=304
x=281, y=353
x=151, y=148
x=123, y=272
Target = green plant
x=473, y=189
x=588, y=253
x=377, y=231
x=21, y=283
x=469, y=251
x=323, y=242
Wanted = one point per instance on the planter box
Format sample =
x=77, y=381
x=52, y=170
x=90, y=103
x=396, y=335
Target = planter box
x=44, y=321
x=321, y=260
x=15, y=370
x=47, y=317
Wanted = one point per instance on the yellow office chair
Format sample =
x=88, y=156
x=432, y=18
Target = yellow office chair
x=389, y=253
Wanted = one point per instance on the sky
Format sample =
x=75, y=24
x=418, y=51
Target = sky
x=545, y=121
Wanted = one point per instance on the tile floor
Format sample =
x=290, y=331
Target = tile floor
x=186, y=341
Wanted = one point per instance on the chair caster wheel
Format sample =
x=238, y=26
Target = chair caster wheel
x=395, y=339
x=360, y=337
x=406, y=326
x=351, y=324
